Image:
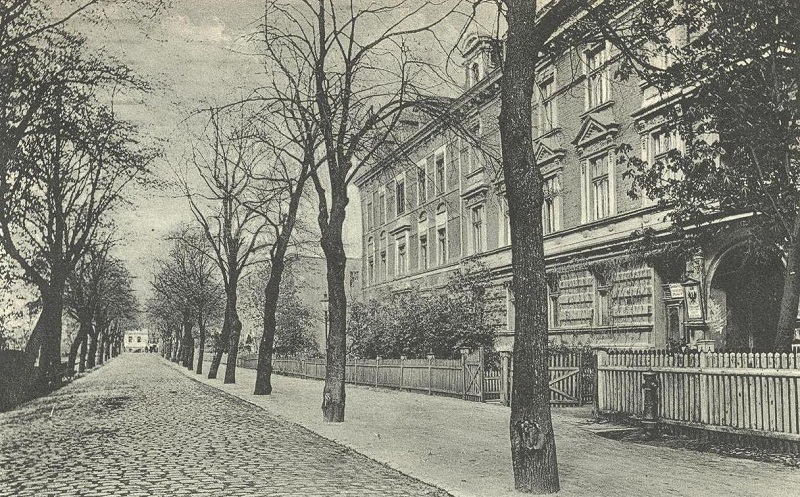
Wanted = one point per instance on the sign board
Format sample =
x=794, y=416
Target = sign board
x=694, y=306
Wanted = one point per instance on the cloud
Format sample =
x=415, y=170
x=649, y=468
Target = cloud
x=180, y=26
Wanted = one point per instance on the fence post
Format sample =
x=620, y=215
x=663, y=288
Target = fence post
x=600, y=387
x=464, y=373
x=430, y=373
x=402, y=361
x=355, y=372
x=377, y=367
x=650, y=414
x=505, y=376
x=481, y=374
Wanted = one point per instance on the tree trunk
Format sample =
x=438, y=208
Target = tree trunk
x=333, y=395
x=85, y=324
x=101, y=347
x=235, y=332
x=84, y=346
x=91, y=356
x=188, y=340
x=50, y=357
x=108, y=348
x=533, y=449
x=221, y=345
x=271, y=294
x=201, y=346
x=787, y=319
x=177, y=354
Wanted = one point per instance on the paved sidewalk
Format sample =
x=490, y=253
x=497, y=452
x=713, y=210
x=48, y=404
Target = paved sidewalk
x=463, y=447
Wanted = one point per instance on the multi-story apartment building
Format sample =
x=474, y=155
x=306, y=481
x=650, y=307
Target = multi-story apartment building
x=437, y=202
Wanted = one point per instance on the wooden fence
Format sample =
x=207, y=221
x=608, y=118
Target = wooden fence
x=571, y=376
x=449, y=377
x=736, y=393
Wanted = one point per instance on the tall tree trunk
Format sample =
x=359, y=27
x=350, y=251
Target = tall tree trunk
x=333, y=395
x=84, y=347
x=108, y=348
x=201, y=346
x=787, y=319
x=50, y=357
x=188, y=340
x=220, y=346
x=101, y=347
x=40, y=346
x=178, y=355
x=533, y=449
x=235, y=332
x=85, y=324
x=266, y=347
x=91, y=356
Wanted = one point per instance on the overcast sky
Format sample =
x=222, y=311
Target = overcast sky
x=195, y=56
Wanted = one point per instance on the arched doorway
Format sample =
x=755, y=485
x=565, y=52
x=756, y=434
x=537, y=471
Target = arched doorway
x=744, y=299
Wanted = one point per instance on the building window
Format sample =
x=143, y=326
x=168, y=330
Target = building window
x=382, y=208
x=370, y=220
x=548, y=118
x=370, y=261
x=551, y=209
x=440, y=174
x=401, y=259
x=602, y=301
x=384, y=263
x=504, y=226
x=423, y=252
x=400, y=196
x=473, y=73
x=441, y=238
x=597, y=77
x=422, y=183
x=597, y=188
x=130, y=339
x=477, y=229
x=511, y=314
x=659, y=146
x=600, y=190
x=470, y=150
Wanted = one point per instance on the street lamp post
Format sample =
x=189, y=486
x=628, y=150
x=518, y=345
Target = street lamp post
x=324, y=303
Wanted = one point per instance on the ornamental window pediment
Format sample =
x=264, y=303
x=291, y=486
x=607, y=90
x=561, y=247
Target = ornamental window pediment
x=596, y=127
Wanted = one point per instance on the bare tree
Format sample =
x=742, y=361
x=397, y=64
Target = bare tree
x=116, y=309
x=185, y=280
x=352, y=62
x=82, y=298
x=226, y=164
x=290, y=135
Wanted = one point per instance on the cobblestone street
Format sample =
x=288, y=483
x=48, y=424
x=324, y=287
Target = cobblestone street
x=139, y=427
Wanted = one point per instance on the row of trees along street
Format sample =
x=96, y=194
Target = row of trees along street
x=340, y=85
x=338, y=90
x=65, y=162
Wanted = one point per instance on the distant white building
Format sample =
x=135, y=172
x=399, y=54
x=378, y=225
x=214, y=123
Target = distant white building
x=136, y=340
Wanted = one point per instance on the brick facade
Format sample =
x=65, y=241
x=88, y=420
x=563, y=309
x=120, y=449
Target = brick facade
x=581, y=115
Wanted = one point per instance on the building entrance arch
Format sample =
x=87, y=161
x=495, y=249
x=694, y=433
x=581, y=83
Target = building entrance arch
x=744, y=299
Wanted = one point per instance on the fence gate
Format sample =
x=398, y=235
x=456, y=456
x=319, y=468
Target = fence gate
x=565, y=378
x=571, y=377
x=473, y=375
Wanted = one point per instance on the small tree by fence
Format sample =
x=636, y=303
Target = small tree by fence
x=748, y=394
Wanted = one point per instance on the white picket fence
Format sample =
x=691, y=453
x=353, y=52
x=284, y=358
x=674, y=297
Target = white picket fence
x=737, y=393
